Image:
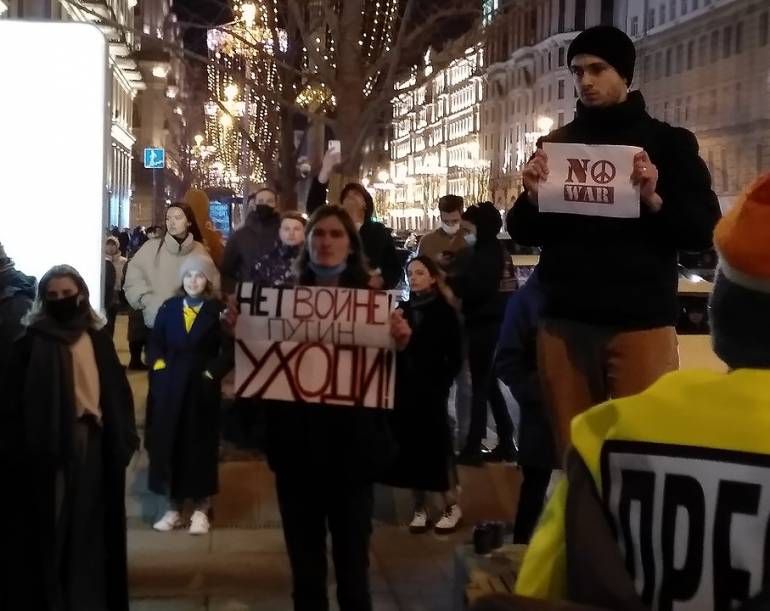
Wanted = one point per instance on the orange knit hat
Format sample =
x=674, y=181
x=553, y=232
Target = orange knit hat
x=742, y=238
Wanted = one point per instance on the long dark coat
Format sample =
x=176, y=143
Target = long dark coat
x=36, y=439
x=426, y=370
x=183, y=439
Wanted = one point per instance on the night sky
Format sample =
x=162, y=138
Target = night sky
x=203, y=12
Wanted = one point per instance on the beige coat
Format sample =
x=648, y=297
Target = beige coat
x=152, y=275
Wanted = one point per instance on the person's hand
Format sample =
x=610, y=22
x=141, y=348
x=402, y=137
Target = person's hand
x=331, y=160
x=231, y=314
x=400, y=330
x=534, y=172
x=645, y=175
x=376, y=281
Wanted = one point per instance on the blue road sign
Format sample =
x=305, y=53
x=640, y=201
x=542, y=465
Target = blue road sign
x=154, y=159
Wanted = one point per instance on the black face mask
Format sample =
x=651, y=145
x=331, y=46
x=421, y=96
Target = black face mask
x=264, y=212
x=64, y=310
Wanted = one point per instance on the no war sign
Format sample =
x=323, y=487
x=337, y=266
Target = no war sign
x=592, y=180
x=315, y=345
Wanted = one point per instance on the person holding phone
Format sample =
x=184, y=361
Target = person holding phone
x=447, y=240
x=380, y=255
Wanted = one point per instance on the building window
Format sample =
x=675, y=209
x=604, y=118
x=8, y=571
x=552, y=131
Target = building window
x=651, y=19
x=580, y=14
x=679, y=57
x=690, y=54
x=669, y=53
x=714, y=46
x=665, y=111
x=550, y=92
x=560, y=121
x=634, y=26
x=672, y=10
x=658, y=65
x=684, y=7
x=662, y=11
x=687, y=109
x=727, y=42
x=560, y=89
x=739, y=37
x=713, y=102
x=678, y=111
x=561, y=57
x=646, y=68
x=763, y=28
x=695, y=5
x=702, y=50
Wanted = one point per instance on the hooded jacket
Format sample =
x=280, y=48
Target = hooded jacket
x=247, y=245
x=622, y=272
x=152, y=275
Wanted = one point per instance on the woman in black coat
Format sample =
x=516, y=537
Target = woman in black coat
x=69, y=432
x=426, y=370
x=189, y=360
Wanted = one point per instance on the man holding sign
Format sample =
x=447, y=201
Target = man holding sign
x=610, y=197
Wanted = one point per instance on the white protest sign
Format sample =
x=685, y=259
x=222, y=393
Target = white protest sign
x=315, y=345
x=592, y=180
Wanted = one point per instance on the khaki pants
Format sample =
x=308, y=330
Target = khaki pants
x=583, y=365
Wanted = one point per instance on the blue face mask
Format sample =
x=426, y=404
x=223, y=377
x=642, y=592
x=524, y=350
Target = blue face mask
x=327, y=272
x=470, y=239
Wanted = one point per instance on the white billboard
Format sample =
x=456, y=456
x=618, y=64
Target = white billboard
x=54, y=138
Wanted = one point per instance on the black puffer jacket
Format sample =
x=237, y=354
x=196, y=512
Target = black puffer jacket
x=17, y=291
x=622, y=272
x=247, y=245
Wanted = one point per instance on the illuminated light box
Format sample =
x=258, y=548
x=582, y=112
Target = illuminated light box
x=54, y=142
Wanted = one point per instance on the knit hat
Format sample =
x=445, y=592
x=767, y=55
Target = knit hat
x=740, y=302
x=609, y=43
x=196, y=263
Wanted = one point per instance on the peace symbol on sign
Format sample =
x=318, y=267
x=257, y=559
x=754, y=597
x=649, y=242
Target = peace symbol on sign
x=603, y=172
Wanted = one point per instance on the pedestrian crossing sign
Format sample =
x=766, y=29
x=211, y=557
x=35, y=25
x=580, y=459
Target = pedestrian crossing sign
x=154, y=159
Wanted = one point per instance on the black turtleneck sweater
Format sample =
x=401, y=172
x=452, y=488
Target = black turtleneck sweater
x=622, y=272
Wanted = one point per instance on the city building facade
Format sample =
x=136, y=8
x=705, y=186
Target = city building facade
x=434, y=144
x=161, y=112
x=705, y=65
x=116, y=19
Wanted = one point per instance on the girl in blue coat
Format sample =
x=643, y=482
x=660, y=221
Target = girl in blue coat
x=188, y=359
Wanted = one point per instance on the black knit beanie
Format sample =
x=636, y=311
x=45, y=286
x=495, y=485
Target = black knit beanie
x=609, y=43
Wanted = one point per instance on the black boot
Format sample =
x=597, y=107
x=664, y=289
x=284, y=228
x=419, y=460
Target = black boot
x=136, y=364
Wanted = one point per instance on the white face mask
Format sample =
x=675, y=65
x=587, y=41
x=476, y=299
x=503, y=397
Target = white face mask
x=450, y=229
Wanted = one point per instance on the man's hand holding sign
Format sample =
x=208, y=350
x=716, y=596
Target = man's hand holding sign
x=588, y=180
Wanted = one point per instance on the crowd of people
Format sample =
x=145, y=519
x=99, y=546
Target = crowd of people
x=562, y=343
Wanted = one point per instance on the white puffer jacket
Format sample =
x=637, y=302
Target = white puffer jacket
x=152, y=275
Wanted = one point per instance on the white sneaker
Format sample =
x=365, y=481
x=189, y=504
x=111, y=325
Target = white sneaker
x=170, y=520
x=450, y=520
x=199, y=523
x=419, y=523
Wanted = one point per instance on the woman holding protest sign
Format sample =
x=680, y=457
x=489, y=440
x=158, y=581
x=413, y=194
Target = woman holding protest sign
x=426, y=370
x=188, y=360
x=325, y=456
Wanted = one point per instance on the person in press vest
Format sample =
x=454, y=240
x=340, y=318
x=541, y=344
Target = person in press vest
x=610, y=284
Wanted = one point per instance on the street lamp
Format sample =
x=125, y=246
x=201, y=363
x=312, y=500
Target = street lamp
x=198, y=139
x=231, y=91
x=544, y=124
x=383, y=176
